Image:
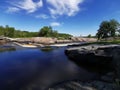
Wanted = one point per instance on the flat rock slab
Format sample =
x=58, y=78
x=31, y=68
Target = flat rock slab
x=94, y=55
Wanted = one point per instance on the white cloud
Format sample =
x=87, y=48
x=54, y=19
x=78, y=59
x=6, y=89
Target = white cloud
x=55, y=7
x=64, y=7
x=54, y=24
x=42, y=16
x=28, y=5
x=12, y=10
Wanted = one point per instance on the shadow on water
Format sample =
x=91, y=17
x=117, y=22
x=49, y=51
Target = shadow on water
x=94, y=68
x=36, y=69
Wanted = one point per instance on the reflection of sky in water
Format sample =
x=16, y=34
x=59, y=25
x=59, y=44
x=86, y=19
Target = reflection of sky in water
x=32, y=67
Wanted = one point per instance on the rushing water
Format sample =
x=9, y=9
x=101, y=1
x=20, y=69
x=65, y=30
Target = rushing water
x=37, y=69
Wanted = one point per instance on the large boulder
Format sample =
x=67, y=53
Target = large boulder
x=94, y=55
x=89, y=54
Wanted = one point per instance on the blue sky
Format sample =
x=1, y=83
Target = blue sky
x=76, y=17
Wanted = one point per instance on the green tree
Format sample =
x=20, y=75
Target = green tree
x=114, y=27
x=9, y=31
x=107, y=29
x=55, y=33
x=1, y=31
x=89, y=36
x=64, y=36
x=45, y=31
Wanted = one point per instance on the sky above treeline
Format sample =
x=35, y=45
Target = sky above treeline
x=76, y=17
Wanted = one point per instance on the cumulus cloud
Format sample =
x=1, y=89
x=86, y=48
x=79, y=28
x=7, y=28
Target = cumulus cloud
x=64, y=7
x=29, y=5
x=42, y=16
x=54, y=24
x=12, y=10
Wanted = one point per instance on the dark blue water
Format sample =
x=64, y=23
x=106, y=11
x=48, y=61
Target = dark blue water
x=34, y=69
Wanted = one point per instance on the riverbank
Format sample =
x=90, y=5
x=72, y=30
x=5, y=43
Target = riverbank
x=47, y=40
x=36, y=42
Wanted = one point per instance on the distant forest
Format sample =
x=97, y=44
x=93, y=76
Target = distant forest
x=46, y=31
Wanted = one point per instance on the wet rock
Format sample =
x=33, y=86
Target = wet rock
x=116, y=61
x=109, y=77
x=90, y=55
x=78, y=85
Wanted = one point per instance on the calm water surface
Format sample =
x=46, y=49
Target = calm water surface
x=37, y=69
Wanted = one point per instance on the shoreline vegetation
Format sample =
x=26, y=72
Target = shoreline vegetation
x=46, y=31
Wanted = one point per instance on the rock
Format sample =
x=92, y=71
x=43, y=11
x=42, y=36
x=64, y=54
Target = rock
x=109, y=77
x=116, y=61
x=80, y=39
x=78, y=85
x=106, y=57
x=41, y=40
x=63, y=41
x=2, y=41
x=98, y=84
x=90, y=55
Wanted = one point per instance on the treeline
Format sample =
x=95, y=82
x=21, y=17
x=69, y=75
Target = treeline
x=46, y=31
x=13, y=33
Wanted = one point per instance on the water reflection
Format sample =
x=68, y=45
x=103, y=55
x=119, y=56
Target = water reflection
x=47, y=48
x=7, y=48
x=33, y=68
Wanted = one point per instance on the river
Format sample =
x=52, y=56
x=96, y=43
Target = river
x=38, y=69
